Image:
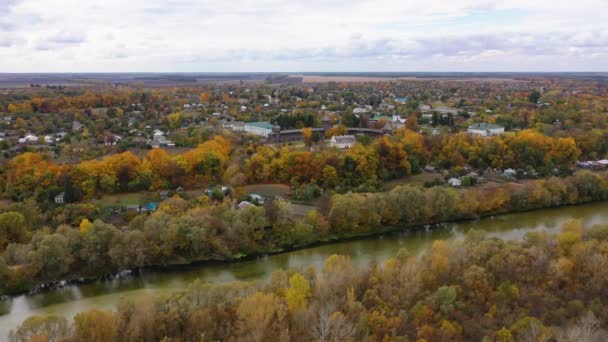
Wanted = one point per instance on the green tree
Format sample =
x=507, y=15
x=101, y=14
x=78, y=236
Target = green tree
x=50, y=255
x=13, y=228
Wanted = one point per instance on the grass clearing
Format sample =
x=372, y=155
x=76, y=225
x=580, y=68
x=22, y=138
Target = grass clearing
x=416, y=180
x=125, y=199
x=268, y=190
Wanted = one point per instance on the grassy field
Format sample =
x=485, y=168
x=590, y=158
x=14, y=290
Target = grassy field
x=417, y=180
x=268, y=190
x=125, y=199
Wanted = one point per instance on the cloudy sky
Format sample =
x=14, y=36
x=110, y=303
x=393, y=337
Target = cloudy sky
x=303, y=35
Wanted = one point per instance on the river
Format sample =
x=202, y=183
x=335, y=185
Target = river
x=106, y=294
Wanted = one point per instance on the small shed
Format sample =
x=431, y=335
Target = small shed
x=509, y=172
x=430, y=169
x=60, y=199
x=133, y=207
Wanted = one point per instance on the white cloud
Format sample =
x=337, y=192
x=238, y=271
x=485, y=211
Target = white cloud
x=299, y=35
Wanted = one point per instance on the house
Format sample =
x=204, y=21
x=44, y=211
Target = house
x=159, y=140
x=509, y=172
x=149, y=207
x=112, y=139
x=360, y=110
x=430, y=169
x=455, y=182
x=401, y=100
x=60, y=199
x=28, y=139
x=133, y=207
x=243, y=108
x=179, y=189
x=235, y=126
x=397, y=122
x=158, y=136
x=255, y=198
x=446, y=111
x=485, y=129
x=342, y=141
x=424, y=108
x=49, y=139
x=163, y=195
x=260, y=128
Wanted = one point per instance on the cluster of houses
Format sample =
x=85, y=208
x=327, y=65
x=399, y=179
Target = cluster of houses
x=47, y=139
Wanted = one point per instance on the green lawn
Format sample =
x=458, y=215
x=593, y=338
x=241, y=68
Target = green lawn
x=125, y=199
x=268, y=190
x=417, y=180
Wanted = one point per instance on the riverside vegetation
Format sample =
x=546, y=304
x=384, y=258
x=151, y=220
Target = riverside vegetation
x=544, y=287
x=184, y=231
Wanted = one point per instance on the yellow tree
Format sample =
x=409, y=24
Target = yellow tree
x=85, y=226
x=307, y=136
x=298, y=293
x=12, y=108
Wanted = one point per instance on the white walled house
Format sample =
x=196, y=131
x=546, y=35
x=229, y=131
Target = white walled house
x=455, y=182
x=28, y=139
x=342, y=141
x=258, y=128
x=485, y=129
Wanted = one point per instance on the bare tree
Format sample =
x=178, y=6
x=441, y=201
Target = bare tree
x=323, y=324
x=330, y=325
x=587, y=329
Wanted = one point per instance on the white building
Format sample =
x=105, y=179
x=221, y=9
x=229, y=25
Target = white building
x=485, y=129
x=238, y=126
x=28, y=139
x=455, y=182
x=342, y=141
x=258, y=128
x=60, y=199
x=398, y=122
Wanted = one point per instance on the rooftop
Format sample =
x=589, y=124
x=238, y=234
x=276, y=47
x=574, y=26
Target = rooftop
x=260, y=124
x=484, y=126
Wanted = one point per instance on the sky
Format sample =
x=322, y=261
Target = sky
x=303, y=35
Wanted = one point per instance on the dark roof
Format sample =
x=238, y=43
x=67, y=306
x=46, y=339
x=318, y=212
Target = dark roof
x=484, y=126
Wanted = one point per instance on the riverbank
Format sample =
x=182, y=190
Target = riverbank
x=331, y=240
x=105, y=295
x=185, y=232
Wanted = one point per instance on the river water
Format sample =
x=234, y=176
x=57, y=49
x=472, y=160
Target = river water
x=106, y=294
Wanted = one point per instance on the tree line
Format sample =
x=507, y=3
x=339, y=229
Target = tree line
x=183, y=231
x=407, y=152
x=35, y=175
